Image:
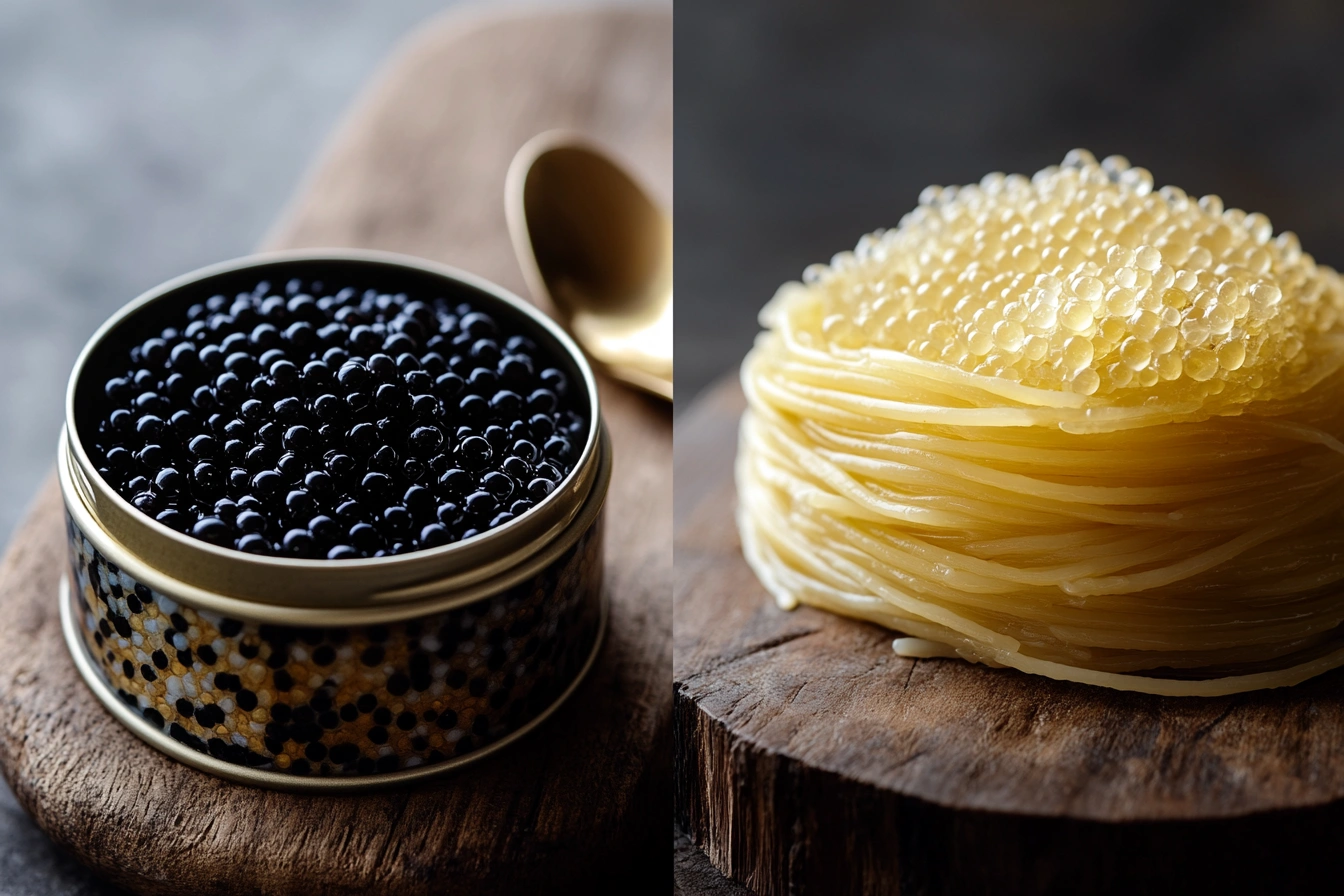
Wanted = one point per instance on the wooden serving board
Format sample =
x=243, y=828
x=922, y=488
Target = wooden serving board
x=579, y=806
x=810, y=758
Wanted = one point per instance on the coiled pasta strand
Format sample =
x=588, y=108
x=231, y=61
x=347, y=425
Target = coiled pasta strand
x=1034, y=504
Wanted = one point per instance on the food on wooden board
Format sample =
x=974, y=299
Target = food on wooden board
x=1068, y=424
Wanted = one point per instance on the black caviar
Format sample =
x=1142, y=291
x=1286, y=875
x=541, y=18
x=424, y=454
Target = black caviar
x=337, y=424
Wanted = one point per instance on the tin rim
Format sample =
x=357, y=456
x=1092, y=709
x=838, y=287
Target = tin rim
x=337, y=584
x=271, y=780
x=437, y=600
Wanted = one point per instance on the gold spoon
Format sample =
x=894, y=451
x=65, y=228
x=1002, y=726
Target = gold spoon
x=592, y=243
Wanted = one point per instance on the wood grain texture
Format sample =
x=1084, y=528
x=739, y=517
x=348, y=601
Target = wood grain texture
x=812, y=759
x=693, y=875
x=579, y=805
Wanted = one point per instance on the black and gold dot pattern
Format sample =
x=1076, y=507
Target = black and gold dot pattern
x=341, y=701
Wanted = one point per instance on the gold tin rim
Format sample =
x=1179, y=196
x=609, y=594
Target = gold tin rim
x=435, y=601
x=270, y=780
x=295, y=584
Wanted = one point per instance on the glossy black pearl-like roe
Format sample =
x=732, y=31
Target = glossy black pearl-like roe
x=336, y=424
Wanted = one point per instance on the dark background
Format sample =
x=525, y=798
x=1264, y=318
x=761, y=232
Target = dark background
x=803, y=125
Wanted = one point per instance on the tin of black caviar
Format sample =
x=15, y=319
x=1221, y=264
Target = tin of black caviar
x=393, y=615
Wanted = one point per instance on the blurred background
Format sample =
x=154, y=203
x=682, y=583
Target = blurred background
x=803, y=125
x=140, y=140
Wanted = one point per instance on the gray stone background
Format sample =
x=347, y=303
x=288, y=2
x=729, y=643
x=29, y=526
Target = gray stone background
x=802, y=124
x=139, y=140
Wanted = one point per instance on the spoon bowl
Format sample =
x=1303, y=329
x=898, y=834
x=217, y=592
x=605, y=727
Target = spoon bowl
x=594, y=245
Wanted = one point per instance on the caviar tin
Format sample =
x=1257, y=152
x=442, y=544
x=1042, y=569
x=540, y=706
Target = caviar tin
x=314, y=674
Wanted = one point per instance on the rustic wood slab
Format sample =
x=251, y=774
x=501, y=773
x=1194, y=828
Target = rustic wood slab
x=582, y=804
x=812, y=759
x=693, y=875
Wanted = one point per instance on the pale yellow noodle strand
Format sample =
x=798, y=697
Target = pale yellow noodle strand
x=1067, y=425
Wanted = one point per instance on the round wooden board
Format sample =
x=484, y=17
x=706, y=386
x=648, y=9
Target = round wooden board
x=580, y=805
x=810, y=758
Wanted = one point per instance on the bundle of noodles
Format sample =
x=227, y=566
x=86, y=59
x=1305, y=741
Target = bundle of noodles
x=1068, y=425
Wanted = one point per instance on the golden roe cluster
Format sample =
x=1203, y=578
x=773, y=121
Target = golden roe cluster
x=1083, y=278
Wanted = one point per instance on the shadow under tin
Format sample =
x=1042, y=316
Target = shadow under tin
x=330, y=674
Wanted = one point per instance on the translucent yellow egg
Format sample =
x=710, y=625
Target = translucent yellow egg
x=1083, y=279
